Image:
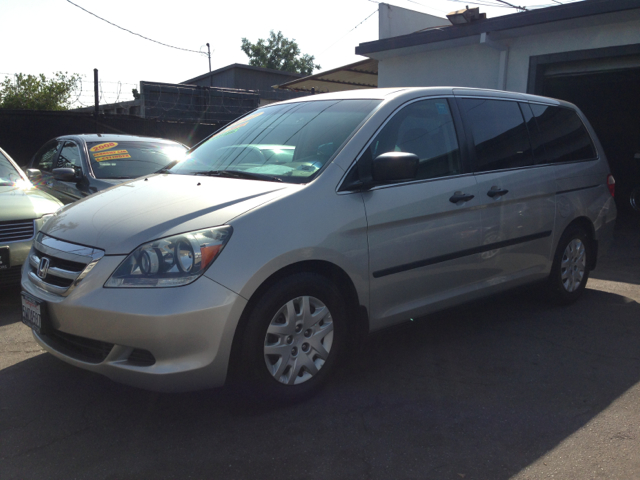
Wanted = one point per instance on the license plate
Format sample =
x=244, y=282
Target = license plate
x=4, y=258
x=33, y=312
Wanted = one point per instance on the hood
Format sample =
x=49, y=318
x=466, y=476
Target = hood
x=119, y=219
x=18, y=203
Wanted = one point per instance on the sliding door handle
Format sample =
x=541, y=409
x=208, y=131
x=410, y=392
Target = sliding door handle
x=497, y=192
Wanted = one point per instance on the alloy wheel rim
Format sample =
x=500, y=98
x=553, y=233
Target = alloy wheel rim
x=298, y=340
x=573, y=266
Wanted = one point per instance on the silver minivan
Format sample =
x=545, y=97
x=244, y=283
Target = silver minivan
x=306, y=223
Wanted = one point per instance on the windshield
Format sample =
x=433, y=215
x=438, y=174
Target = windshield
x=132, y=159
x=8, y=174
x=289, y=142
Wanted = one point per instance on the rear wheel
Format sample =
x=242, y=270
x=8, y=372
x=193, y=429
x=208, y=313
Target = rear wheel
x=295, y=333
x=570, y=270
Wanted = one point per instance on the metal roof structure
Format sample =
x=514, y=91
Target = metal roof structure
x=240, y=66
x=530, y=19
x=363, y=74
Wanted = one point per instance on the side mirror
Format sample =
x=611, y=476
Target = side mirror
x=33, y=174
x=65, y=174
x=395, y=167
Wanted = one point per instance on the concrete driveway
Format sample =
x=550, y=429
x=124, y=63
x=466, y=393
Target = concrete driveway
x=509, y=387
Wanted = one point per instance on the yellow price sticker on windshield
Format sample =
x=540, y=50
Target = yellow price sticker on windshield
x=109, y=152
x=112, y=157
x=103, y=146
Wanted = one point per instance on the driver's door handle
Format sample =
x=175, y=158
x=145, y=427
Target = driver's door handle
x=460, y=197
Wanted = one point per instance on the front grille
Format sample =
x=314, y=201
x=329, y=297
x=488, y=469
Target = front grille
x=60, y=273
x=80, y=348
x=64, y=264
x=16, y=231
x=10, y=276
x=57, y=266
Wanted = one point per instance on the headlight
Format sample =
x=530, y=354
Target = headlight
x=172, y=261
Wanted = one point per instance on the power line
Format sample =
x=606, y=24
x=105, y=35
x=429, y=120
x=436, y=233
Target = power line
x=426, y=6
x=512, y=6
x=133, y=33
x=331, y=46
x=480, y=3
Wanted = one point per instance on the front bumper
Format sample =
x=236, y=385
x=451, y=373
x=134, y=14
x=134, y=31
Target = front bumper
x=188, y=330
x=18, y=252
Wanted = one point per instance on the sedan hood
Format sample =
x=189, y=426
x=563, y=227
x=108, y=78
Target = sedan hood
x=18, y=203
x=119, y=219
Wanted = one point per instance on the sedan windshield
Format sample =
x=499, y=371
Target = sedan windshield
x=288, y=142
x=132, y=159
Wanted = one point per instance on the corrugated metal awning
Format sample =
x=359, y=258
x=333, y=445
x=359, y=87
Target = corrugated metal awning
x=357, y=75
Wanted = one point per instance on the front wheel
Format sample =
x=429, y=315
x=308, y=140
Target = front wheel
x=570, y=270
x=294, y=335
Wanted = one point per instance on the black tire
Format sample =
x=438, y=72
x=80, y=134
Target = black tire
x=261, y=374
x=565, y=284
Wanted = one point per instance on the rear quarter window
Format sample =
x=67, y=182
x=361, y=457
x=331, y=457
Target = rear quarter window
x=561, y=135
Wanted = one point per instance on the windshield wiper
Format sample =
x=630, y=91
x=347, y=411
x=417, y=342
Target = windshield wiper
x=238, y=174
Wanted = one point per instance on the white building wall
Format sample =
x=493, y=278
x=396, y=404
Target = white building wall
x=477, y=65
x=395, y=21
x=470, y=66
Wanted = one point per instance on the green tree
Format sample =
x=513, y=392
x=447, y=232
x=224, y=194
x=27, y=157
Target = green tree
x=278, y=53
x=37, y=92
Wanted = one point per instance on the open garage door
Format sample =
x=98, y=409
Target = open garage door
x=607, y=90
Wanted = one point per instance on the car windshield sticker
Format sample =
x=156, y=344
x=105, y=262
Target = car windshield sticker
x=112, y=157
x=233, y=128
x=103, y=146
x=110, y=152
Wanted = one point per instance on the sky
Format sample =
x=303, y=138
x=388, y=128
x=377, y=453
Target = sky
x=46, y=36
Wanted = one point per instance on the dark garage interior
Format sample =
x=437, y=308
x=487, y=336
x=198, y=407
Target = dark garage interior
x=611, y=102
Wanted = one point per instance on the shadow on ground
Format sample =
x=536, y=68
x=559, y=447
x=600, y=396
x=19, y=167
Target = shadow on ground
x=622, y=262
x=477, y=392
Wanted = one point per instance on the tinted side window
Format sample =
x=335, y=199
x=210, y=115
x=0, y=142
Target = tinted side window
x=499, y=134
x=69, y=157
x=44, y=158
x=426, y=129
x=563, y=135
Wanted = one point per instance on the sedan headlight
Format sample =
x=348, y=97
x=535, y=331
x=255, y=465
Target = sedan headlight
x=172, y=261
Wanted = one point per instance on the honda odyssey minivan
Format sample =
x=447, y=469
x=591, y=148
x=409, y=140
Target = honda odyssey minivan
x=305, y=223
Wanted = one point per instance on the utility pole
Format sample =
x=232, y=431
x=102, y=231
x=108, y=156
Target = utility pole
x=97, y=98
x=209, y=55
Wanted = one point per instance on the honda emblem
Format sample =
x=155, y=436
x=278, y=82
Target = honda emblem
x=43, y=268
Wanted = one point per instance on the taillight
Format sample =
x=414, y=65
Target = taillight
x=611, y=184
